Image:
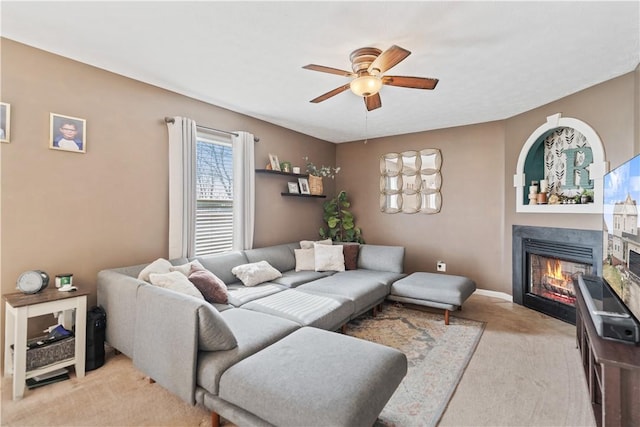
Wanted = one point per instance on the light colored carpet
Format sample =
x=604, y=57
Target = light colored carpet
x=525, y=372
x=437, y=355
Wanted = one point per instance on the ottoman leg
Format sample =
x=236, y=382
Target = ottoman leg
x=446, y=317
x=215, y=419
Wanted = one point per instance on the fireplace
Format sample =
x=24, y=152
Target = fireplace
x=545, y=262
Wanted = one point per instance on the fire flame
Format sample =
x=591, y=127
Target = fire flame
x=555, y=271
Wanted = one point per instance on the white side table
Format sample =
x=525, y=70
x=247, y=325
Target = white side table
x=19, y=308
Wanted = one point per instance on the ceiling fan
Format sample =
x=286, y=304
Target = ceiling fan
x=369, y=64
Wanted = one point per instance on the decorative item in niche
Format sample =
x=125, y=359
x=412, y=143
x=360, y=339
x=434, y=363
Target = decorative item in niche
x=561, y=163
x=410, y=182
x=317, y=173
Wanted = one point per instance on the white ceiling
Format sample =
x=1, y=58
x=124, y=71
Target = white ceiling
x=494, y=59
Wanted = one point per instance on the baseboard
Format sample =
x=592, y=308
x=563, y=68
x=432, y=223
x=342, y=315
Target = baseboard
x=494, y=294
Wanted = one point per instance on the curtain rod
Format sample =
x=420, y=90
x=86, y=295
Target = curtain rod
x=172, y=120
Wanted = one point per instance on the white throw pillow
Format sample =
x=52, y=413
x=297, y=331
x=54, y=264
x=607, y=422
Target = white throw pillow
x=160, y=265
x=308, y=244
x=305, y=259
x=255, y=273
x=186, y=268
x=329, y=258
x=175, y=281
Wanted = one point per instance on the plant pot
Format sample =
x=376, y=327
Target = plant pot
x=315, y=185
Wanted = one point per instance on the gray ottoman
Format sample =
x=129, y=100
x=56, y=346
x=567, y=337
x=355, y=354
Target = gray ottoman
x=433, y=290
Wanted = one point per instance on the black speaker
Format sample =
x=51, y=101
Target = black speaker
x=96, y=327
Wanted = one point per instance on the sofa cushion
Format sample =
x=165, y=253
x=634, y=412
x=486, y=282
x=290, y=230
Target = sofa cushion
x=159, y=266
x=308, y=244
x=175, y=281
x=279, y=256
x=210, y=286
x=253, y=332
x=305, y=259
x=221, y=264
x=328, y=258
x=186, y=268
x=291, y=279
x=213, y=332
x=322, y=311
x=316, y=378
x=240, y=294
x=255, y=273
x=381, y=258
x=350, y=252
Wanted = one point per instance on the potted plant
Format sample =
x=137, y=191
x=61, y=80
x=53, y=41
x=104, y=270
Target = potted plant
x=340, y=222
x=317, y=173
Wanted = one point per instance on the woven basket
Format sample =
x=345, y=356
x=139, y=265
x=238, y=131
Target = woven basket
x=315, y=185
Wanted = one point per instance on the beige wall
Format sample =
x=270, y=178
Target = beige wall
x=472, y=233
x=65, y=212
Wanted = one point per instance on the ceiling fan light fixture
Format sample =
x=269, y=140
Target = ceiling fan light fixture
x=366, y=85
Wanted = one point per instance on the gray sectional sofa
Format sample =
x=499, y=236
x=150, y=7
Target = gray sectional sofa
x=269, y=356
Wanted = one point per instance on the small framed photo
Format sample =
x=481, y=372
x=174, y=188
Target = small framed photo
x=67, y=133
x=275, y=163
x=293, y=188
x=5, y=122
x=304, y=186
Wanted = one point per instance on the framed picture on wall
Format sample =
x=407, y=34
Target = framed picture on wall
x=304, y=186
x=5, y=122
x=67, y=133
x=275, y=163
x=293, y=188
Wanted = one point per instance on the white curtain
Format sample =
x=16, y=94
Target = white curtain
x=182, y=181
x=243, y=190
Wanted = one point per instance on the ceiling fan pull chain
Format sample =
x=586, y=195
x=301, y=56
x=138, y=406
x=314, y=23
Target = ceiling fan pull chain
x=366, y=126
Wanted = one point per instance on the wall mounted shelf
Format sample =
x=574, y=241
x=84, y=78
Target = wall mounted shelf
x=292, y=175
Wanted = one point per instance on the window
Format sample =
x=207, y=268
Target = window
x=214, y=194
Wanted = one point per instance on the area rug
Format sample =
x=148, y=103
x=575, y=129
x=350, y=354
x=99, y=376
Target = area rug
x=437, y=356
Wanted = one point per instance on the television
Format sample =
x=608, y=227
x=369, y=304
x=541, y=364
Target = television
x=621, y=239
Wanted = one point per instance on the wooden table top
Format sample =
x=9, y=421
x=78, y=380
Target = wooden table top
x=20, y=299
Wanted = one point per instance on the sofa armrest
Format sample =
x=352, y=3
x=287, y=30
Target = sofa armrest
x=117, y=296
x=166, y=339
x=381, y=258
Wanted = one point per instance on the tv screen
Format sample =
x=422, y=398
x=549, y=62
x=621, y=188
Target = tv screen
x=621, y=266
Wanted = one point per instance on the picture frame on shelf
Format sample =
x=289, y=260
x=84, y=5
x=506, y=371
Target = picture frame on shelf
x=5, y=122
x=275, y=163
x=67, y=133
x=304, y=186
x=293, y=188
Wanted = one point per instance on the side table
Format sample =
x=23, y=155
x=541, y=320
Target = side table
x=19, y=307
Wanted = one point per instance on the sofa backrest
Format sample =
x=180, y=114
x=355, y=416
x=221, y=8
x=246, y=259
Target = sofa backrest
x=281, y=257
x=381, y=258
x=221, y=264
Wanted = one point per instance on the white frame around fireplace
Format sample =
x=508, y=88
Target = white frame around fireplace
x=597, y=169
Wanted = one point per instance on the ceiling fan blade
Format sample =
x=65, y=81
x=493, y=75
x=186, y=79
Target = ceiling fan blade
x=373, y=101
x=329, y=70
x=387, y=59
x=411, y=82
x=330, y=94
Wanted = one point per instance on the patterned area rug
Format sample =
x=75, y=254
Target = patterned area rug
x=437, y=356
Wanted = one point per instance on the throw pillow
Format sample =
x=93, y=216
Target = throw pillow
x=255, y=273
x=212, y=288
x=175, y=281
x=160, y=265
x=308, y=244
x=329, y=258
x=213, y=332
x=305, y=259
x=186, y=268
x=351, y=253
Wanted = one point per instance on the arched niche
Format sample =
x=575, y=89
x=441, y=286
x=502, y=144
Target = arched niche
x=585, y=156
